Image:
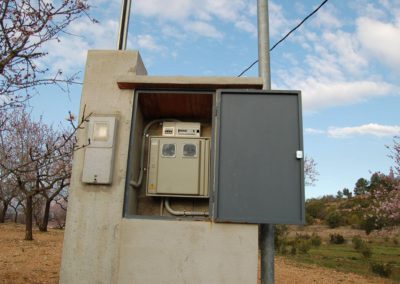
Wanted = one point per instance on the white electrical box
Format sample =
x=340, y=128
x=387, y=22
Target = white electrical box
x=99, y=154
x=181, y=129
x=178, y=166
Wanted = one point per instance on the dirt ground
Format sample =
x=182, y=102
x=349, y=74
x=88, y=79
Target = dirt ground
x=38, y=261
x=293, y=273
x=347, y=232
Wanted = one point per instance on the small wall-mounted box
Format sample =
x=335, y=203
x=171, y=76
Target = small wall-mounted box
x=99, y=154
x=181, y=129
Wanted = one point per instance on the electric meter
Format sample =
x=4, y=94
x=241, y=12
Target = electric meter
x=181, y=129
x=178, y=166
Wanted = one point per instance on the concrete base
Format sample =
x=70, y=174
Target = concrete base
x=159, y=251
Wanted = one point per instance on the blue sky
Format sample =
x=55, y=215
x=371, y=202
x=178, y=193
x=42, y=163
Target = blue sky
x=345, y=60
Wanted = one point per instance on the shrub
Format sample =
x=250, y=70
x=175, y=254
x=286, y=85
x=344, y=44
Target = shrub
x=334, y=219
x=302, y=237
x=382, y=269
x=357, y=242
x=303, y=245
x=316, y=208
x=372, y=223
x=283, y=250
x=361, y=246
x=315, y=240
x=293, y=250
x=354, y=220
x=336, y=239
x=365, y=250
x=281, y=232
x=309, y=219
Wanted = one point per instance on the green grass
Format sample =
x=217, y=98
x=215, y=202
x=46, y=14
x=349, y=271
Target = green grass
x=345, y=258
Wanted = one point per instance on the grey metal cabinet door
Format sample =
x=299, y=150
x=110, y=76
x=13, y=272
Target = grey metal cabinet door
x=258, y=173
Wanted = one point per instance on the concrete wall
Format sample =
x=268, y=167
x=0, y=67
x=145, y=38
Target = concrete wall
x=90, y=252
x=102, y=247
x=165, y=252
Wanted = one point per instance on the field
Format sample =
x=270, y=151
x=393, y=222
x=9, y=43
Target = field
x=384, y=245
x=38, y=261
x=344, y=258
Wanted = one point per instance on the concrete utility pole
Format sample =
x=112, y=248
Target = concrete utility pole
x=266, y=231
x=124, y=24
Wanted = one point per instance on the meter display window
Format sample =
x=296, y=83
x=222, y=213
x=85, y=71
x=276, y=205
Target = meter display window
x=189, y=150
x=168, y=150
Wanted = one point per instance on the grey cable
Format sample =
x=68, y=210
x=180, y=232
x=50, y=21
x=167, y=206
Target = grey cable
x=139, y=181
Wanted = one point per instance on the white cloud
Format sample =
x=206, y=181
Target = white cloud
x=366, y=129
x=161, y=9
x=325, y=86
x=198, y=16
x=70, y=53
x=246, y=26
x=278, y=22
x=319, y=94
x=348, y=50
x=337, y=66
x=204, y=29
x=148, y=42
x=179, y=10
x=326, y=18
x=381, y=39
x=314, y=131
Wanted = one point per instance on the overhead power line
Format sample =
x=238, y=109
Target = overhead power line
x=287, y=35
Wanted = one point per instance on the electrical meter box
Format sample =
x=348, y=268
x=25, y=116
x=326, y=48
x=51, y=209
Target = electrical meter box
x=178, y=166
x=181, y=129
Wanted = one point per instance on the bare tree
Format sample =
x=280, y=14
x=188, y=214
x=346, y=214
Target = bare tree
x=57, y=179
x=59, y=212
x=7, y=194
x=36, y=158
x=25, y=27
x=16, y=204
x=395, y=153
x=310, y=171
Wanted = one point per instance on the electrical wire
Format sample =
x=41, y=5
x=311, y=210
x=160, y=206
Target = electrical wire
x=137, y=183
x=287, y=35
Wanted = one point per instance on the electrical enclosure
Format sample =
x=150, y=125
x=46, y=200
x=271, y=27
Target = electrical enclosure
x=178, y=167
x=235, y=154
x=99, y=154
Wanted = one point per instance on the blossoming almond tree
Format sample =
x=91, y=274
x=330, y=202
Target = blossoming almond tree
x=25, y=27
x=36, y=159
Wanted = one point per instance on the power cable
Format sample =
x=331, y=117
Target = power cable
x=291, y=31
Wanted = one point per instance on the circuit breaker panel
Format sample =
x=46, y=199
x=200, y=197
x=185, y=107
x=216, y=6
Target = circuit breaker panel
x=178, y=162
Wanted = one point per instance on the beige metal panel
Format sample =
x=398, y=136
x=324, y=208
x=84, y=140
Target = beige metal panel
x=152, y=183
x=204, y=167
x=165, y=252
x=177, y=174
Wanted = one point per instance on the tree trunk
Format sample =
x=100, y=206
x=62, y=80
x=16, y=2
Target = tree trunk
x=16, y=216
x=45, y=221
x=28, y=218
x=4, y=212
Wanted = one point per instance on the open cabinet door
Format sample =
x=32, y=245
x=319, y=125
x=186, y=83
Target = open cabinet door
x=258, y=172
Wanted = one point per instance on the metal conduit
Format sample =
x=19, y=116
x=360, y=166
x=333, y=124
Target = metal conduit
x=182, y=213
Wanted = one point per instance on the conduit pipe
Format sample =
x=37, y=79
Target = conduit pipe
x=182, y=213
x=137, y=183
